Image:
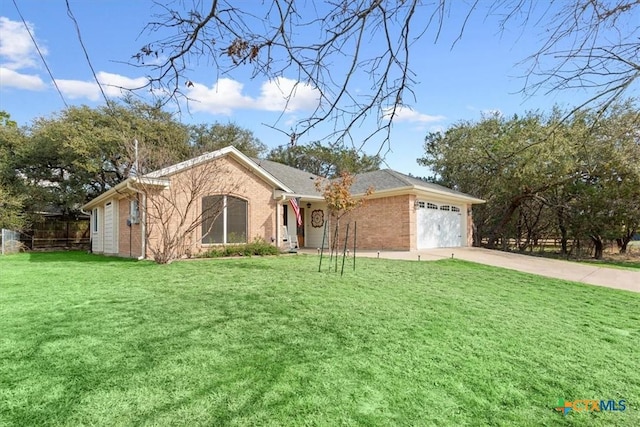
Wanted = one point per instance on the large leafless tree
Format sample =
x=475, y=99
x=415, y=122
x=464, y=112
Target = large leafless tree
x=357, y=53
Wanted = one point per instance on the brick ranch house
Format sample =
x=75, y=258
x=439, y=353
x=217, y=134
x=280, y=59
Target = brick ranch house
x=254, y=198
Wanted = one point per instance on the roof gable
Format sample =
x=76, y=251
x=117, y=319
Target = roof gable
x=231, y=151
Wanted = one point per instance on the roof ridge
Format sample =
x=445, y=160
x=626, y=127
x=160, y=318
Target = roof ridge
x=399, y=175
x=257, y=161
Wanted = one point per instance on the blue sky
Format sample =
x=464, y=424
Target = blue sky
x=479, y=74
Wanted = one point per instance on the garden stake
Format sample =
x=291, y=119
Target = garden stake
x=344, y=252
x=324, y=234
x=355, y=233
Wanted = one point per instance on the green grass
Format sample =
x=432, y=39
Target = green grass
x=629, y=261
x=90, y=340
x=624, y=264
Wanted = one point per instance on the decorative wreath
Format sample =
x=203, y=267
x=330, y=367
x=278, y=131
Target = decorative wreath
x=317, y=218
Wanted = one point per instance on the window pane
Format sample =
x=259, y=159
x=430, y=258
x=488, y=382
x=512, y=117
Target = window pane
x=236, y=220
x=213, y=219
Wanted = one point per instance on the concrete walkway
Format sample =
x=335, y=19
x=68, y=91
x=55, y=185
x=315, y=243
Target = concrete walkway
x=585, y=273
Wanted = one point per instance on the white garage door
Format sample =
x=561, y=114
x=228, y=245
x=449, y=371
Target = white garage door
x=438, y=225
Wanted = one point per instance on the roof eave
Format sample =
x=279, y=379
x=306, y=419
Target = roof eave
x=118, y=189
x=415, y=189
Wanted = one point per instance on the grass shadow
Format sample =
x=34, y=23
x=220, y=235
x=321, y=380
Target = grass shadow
x=75, y=256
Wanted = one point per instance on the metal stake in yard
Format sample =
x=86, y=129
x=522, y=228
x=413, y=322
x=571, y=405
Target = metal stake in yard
x=355, y=233
x=344, y=251
x=324, y=235
x=335, y=246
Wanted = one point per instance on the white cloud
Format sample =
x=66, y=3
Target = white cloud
x=222, y=98
x=227, y=95
x=16, y=47
x=406, y=114
x=283, y=94
x=11, y=78
x=75, y=89
x=114, y=85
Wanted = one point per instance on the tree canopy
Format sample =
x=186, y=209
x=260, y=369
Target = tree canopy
x=325, y=161
x=60, y=162
x=11, y=192
x=545, y=177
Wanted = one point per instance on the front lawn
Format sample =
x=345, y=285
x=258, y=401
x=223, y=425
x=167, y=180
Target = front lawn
x=90, y=340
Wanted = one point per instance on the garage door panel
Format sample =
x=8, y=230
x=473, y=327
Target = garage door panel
x=438, y=228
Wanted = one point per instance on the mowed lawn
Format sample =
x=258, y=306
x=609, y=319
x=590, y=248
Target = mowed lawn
x=91, y=340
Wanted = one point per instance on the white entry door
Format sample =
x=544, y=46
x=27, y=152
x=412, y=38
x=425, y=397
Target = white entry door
x=438, y=225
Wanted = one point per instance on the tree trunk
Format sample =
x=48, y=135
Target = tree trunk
x=623, y=242
x=563, y=240
x=563, y=232
x=599, y=246
x=498, y=230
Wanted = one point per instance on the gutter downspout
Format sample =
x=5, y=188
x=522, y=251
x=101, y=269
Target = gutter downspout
x=143, y=221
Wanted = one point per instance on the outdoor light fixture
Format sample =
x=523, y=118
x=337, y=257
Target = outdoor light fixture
x=308, y=205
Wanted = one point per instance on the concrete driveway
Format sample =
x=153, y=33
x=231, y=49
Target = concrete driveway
x=585, y=273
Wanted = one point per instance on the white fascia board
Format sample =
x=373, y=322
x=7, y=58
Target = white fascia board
x=422, y=192
x=106, y=195
x=286, y=195
x=154, y=182
x=447, y=195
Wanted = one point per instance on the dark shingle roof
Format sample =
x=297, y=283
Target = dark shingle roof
x=299, y=181
x=303, y=183
x=388, y=179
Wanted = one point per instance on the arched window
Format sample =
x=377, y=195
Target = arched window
x=224, y=220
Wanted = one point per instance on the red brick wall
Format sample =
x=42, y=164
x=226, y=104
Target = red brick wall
x=386, y=223
x=227, y=177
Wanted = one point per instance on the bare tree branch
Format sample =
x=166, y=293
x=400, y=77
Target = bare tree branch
x=338, y=46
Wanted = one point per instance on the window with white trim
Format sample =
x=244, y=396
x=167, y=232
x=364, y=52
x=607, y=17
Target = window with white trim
x=224, y=220
x=421, y=205
x=455, y=209
x=134, y=211
x=444, y=207
x=432, y=206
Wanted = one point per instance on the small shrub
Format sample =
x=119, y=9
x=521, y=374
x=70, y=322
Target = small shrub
x=257, y=247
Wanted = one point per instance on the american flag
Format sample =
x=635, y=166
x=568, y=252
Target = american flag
x=296, y=208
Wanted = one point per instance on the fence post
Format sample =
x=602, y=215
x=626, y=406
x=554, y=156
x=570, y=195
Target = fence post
x=2, y=241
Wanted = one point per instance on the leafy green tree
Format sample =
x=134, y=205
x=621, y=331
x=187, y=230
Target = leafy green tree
x=79, y=153
x=205, y=138
x=546, y=176
x=325, y=161
x=11, y=192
